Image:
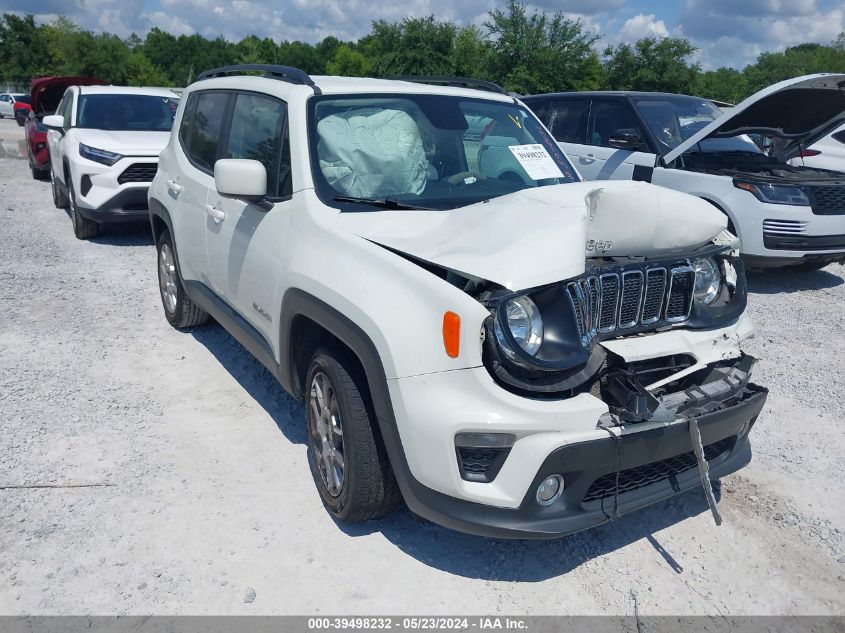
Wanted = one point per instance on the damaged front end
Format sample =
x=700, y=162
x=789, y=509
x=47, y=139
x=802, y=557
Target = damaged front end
x=548, y=341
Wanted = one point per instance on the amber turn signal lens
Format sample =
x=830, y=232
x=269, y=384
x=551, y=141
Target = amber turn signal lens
x=452, y=334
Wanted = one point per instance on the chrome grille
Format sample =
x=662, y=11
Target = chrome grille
x=630, y=299
x=784, y=227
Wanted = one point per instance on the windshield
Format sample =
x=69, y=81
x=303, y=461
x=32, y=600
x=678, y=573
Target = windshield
x=428, y=151
x=126, y=112
x=673, y=120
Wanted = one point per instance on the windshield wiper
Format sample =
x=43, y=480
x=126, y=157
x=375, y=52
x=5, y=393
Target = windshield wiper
x=384, y=203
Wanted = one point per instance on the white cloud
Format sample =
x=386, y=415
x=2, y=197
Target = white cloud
x=641, y=26
x=169, y=23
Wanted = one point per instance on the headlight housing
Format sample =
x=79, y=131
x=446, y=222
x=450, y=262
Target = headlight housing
x=775, y=194
x=708, y=280
x=523, y=320
x=98, y=155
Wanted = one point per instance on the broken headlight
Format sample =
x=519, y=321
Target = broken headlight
x=775, y=194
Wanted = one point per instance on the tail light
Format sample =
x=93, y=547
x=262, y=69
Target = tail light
x=806, y=153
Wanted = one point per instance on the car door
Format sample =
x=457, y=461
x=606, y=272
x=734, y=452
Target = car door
x=191, y=183
x=566, y=118
x=244, y=240
x=55, y=138
x=606, y=158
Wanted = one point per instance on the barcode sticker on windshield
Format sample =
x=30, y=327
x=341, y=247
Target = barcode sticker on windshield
x=536, y=162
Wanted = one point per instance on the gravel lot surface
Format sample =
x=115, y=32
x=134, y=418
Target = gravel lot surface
x=144, y=470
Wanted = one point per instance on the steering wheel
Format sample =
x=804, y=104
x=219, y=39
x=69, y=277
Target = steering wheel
x=460, y=179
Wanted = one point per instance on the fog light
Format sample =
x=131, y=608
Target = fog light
x=549, y=490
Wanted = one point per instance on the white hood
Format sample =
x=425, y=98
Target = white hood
x=538, y=236
x=798, y=110
x=126, y=143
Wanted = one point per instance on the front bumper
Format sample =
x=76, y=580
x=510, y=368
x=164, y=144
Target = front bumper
x=653, y=465
x=127, y=205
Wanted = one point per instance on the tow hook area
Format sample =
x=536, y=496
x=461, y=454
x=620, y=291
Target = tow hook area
x=710, y=389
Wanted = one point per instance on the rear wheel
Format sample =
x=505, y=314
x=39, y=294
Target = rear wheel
x=179, y=310
x=348, y=463
x=83, y=228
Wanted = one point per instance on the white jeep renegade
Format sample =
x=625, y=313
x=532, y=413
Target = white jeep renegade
x=515, y=353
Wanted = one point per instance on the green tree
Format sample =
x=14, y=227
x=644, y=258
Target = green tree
x=25, y=53
x=652, y=64
x=348, y=62
x=723, y=84
x=326, y=50
x=414, y=46
x=538, y=52
x=471, y=54
x=803, y=59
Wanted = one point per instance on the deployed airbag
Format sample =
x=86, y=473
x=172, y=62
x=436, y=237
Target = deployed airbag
x=372, y=153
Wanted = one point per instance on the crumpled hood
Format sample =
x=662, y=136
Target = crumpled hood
x=538, y=236
x=524, y=239
x=127, y=143
x=798, y=111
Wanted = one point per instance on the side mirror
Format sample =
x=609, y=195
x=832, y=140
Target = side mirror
x=241, y=178
x=54, y=122
x=626, y=139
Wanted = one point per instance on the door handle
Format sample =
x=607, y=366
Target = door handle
x=218, y=215
x=174, y=186
x=587, y=159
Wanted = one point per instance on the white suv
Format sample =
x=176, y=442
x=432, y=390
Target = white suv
x=785, y=215
x=104, y=144
x=512, y=356
x=7, y=103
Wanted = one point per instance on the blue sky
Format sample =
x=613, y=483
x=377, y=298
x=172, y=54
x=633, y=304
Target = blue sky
x=727, y=32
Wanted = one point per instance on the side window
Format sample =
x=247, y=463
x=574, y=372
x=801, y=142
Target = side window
x=205, y=128
x=67, y=109
x=607, y=118
x=4, y=98
x=187, y=120
x=565, y=118
x=258, y=132
x=839, y=136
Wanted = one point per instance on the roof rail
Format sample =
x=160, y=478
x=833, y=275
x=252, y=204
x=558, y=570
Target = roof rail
x=283, y=73
x=458, y=82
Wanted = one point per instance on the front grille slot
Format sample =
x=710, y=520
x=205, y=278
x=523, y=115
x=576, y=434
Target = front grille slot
x=681, y=284
x=640, y=476
x=655, y=289
x=630, y=299
x=632, y=291
x=138, y=172
x=827, y=200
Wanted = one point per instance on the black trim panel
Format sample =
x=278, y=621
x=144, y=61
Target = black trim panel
x=128, y=205
x=232, y=322
x=804, y=242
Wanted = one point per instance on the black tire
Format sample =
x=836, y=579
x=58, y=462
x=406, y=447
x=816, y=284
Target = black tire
x=181, y=313
x=39, y=174
x=368, y=489
x=83, y=228
x=20, y=120
x=59, y=197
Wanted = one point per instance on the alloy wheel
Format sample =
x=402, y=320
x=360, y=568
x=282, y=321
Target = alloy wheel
x=167, y=278
x=326, y=433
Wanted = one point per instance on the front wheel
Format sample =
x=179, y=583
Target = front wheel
x=179, y=310
x=83, y=228
x=348, y=463
x=59, y=197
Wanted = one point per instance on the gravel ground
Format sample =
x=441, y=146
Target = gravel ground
x=143, y=470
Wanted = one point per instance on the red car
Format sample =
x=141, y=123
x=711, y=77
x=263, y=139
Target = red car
x=46, y=94
x=22, y=107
